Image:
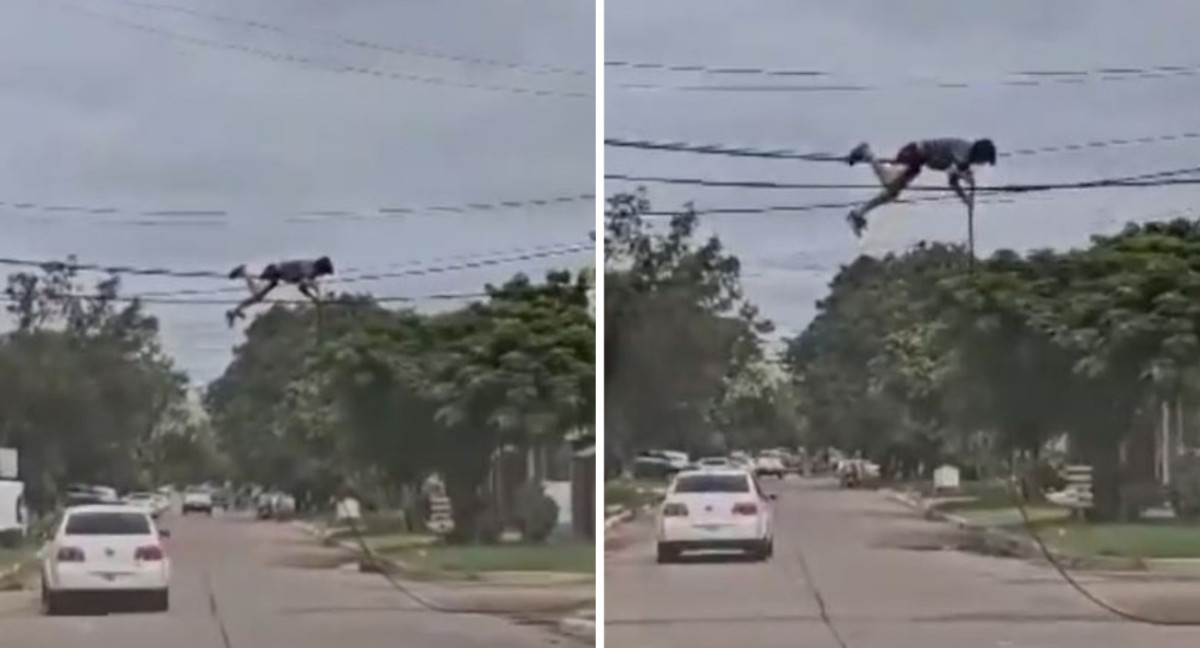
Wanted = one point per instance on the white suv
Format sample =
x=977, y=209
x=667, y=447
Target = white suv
x=197, y=500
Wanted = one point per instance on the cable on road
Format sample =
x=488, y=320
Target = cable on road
x=1048, y=555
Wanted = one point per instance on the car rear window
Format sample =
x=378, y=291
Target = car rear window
x=107, y=524
x=712, y=484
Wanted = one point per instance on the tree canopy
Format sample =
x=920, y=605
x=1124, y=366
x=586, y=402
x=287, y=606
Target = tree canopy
x=919, y=356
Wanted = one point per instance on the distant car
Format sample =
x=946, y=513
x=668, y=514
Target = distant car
x=769, y=465
x=715, y=509
x=149, y=502
x=197, y=500
x=108, y=553
x=714, y=462
x=221, y=499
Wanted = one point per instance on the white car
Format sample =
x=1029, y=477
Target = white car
x=107, y=552
x=715, y=509
x=149, y=502
x=770, y=465
x=197, y=499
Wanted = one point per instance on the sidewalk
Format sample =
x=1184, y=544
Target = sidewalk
x=1012, y=543
x=562, y=600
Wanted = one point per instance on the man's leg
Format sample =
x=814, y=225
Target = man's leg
x=894, y=184
x=258, y=292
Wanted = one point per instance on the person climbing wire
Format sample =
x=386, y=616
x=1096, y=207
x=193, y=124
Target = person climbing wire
x=302, y=273
x=953, y=155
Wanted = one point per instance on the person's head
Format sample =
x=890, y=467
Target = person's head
x=983, y=152
x=324, y=266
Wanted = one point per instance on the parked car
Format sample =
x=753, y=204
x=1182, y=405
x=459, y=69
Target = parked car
x=105, y=552
x=149, y=502
x=715, y=509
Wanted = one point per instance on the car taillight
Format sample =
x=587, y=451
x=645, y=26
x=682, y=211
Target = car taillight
x=674, y=510
x=150, y=553
x=745, y=508
x=70, y=554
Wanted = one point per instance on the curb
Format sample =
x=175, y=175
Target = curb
x=578, y=627
x=1022, y=546
x=624, y=516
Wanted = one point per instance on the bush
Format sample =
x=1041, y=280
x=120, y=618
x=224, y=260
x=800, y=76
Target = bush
x=1185, y=487
x=11, y=539
x=537, y=513
x=489, y=526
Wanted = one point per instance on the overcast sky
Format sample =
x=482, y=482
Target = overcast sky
x=875, y=43
x=143, y=109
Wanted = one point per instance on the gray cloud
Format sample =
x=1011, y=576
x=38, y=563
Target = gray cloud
x=873, y=42
x=100, y=113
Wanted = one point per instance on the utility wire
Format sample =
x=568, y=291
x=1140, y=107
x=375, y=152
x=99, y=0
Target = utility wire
x=210, y=274
x=411, y=272
x=154, y=299
x=1027, y=78
x=213, y=216
x=311, y=63
x=1157, y=179
x=341, y=40
x=790, y=154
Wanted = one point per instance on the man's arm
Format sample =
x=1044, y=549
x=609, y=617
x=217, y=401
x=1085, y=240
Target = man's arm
x=959, y=174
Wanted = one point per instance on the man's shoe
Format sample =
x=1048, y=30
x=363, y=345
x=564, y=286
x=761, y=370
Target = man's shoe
x=857, y=221
x=861, y=153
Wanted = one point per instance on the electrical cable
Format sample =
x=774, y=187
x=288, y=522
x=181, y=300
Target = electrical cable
x=1156, y=179
x=790, y=154
x=311, y=63
x=168, y=215
x=1028, y=78
x=338, y=39
x=1064, y=573
x=411, y=272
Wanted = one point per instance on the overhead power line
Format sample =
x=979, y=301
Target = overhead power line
x=1156, y=179
x=347, y=41
x=1025, y=78
x=311, y=63
x=205, y=216
x=176, y=301
x=410, y=272
x=211, y=274
x=791, y=154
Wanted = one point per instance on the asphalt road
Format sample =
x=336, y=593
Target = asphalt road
x=880, y=575
x=263, y=585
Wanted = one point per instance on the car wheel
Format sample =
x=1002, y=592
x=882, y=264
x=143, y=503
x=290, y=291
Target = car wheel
x=52, y=603
x=666, y=554
x=160, y=601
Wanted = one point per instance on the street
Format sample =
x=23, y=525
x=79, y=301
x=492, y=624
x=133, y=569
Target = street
x=263, y=585
x=884, y=584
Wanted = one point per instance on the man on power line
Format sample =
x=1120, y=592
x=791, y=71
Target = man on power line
x=952, y=155
x=302, y=273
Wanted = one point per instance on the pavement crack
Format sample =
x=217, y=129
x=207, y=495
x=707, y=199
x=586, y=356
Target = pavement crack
x=215, y=611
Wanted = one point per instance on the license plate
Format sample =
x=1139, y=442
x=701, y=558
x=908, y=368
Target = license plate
x=710, y=527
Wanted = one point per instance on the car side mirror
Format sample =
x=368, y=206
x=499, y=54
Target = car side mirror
x=164, y=533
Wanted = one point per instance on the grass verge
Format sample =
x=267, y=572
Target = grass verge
x=468, y=560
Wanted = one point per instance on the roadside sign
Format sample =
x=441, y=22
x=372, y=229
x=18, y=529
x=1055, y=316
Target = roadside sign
x=8, y=463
